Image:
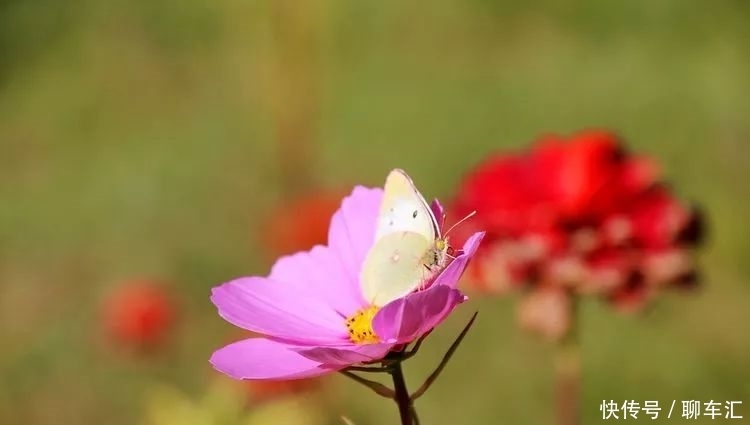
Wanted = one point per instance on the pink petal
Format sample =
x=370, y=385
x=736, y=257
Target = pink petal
x=346, y=355
x=352, y=232
x=410, y=317
x=279, y=309
x=261, y=358
x=451, y=275
x=321, y=271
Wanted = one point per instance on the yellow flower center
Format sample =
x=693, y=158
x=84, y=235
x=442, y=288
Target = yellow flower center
x=359, y=326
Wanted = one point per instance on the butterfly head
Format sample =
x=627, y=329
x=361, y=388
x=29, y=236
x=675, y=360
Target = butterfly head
x=441, y=244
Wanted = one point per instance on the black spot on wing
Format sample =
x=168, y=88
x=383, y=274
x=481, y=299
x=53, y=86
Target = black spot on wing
x=414, y=214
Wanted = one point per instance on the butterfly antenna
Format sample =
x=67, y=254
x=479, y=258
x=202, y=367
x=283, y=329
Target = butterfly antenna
x=468, y=216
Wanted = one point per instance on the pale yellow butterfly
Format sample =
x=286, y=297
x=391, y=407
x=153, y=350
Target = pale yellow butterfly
x=409, y=249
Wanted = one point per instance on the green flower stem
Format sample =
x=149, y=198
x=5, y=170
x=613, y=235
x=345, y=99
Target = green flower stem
x=293, y=95
x=568, y=372
x=403, y=400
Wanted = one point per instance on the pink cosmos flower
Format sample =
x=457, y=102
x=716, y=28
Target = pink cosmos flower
x=311, y=311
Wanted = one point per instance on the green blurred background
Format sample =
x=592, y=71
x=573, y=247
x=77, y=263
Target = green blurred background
x=150, y=138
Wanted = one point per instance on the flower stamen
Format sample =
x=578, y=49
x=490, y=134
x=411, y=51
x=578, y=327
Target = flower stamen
x=359, y=326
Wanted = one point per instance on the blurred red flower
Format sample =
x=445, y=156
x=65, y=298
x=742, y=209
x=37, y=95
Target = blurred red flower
x=266, y=390
x=581, y=214
x=139, y=314
x=300, y=223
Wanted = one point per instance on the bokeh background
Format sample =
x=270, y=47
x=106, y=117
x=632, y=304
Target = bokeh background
x=153, y=139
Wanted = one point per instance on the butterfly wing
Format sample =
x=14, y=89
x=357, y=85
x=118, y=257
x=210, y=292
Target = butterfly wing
x=396, y=265
x=408, y=250
x=404, y=209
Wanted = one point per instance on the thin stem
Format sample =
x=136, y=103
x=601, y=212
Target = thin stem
x=369, y=369
x=415, y=348
x=377, y=387
x=293, y=97
x=446, y=357
x=414, y=415
x=568, y=371
x=405, y=408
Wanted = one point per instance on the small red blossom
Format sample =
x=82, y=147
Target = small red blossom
x=262, y=391
x=581, y=214
x=300, y=223
x=139, y=314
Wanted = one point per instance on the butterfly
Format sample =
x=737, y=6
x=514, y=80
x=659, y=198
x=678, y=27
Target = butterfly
x=409, y=248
